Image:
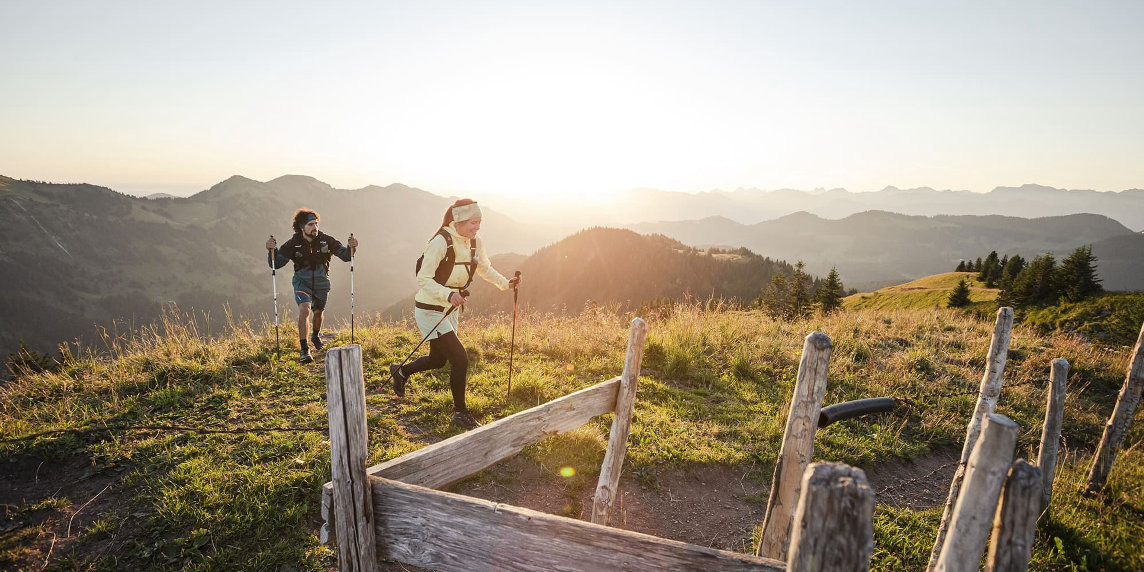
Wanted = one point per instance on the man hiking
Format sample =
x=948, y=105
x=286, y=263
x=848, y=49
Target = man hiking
x=310, y=250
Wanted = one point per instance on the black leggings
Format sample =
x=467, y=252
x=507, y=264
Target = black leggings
x=446, y=347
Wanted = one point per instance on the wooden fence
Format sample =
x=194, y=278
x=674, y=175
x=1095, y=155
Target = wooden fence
x=819, y=516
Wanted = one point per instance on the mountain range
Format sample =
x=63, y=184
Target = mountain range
x=749, y=206
x=87, y=255
x=877, y=248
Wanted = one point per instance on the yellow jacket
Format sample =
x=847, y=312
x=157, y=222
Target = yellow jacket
x=430, y=292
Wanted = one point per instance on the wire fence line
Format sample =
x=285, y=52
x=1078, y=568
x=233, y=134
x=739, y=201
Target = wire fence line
x=187, y=428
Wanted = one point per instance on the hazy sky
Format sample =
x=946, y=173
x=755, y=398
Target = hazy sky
x=538, y=97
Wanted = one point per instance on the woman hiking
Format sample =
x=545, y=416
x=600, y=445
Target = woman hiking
x=452, y=256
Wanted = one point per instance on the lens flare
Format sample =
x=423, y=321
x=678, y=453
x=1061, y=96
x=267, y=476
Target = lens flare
x=567, y=472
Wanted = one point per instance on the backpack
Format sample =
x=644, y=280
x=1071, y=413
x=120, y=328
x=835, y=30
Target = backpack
x=446, y=267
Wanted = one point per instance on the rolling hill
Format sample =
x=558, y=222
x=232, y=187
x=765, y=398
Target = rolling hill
x=88, y=255
x=928, y=292
x=615, y=267
x=876, y=247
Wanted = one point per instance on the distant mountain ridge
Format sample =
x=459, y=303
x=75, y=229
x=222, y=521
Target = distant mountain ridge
x=882, y=247
x=749, y=206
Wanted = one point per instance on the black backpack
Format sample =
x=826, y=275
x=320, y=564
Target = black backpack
x=446, y=267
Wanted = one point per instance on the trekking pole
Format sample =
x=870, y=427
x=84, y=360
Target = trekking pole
x=512, y=343
x=352, y=292
x=435, y=326
x=274, y=278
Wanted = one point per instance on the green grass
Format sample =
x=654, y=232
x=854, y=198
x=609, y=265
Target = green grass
x=716, y=388
x=923, y=293
x=1111, y=318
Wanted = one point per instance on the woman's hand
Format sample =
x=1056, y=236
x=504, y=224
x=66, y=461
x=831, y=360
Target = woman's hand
x=456, y=299
x=271, y=244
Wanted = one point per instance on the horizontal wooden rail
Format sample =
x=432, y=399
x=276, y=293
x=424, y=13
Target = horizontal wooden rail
x=462, y=455
x=446, y=531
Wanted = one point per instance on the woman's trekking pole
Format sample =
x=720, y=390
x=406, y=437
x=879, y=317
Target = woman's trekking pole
x=512, y=343
x=274, y=278
x=351, y=292
x=435, y=326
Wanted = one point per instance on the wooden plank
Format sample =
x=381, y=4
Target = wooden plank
x=988, y=393
x=1120, y=420
x=1012, y=544
x=457, y=457
x=972, y=516
x=1051, y=431
x=834, y=525
x=448, y=532
x=352, y=503
x=609, y=482
x=798, y=446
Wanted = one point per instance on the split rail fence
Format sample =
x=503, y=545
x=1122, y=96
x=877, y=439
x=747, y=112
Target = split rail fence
x=819, y=516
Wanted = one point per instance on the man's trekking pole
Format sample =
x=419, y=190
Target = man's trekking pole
x=435, y=326
x=274, y=278
x=512, y=343
x=351, y=292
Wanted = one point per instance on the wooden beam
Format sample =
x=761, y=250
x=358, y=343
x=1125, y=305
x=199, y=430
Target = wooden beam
x=352, y=503
x=462, y=455
x=1012, y=543
x=976, y=506
x=609, y=482
x=798, y=446
x=987, y=396
x=834, y=525
x=1051, y=431
x=449, y=532
x=1121, y=419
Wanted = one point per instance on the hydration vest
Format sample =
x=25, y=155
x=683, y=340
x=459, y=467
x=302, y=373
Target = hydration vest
x=312, y=254
x=445, y=269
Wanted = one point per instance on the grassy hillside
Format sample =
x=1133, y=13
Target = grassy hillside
x=132, y=481
x=929, y=292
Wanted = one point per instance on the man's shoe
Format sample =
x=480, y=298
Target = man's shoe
x=317, y=342
x=465, y=420
x=399, y=379
x=305, y=358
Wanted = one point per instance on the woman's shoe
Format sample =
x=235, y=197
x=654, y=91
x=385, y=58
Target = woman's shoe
x=399, y=379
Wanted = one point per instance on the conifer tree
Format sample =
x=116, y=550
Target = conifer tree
x=959, y=296
x=960, y=266
x=1076, y=278
x=829, y=293
x=1035, y=285
x=1012, y=268
x=987, y=266
x=800, y=291
x=776, y=297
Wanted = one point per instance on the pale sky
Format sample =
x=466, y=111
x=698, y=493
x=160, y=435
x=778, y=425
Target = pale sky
x=472, y=97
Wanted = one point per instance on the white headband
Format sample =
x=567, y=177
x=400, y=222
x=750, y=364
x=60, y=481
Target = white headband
x=466, y=212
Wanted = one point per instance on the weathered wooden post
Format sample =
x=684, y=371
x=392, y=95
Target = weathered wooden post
x=353, y=502
x=834, y=527
x=609, y=482
x=1012, y=542
x=987, y=396
x=798, y=446
x=1121, y=419
x=1051, y=432
x=976, y=505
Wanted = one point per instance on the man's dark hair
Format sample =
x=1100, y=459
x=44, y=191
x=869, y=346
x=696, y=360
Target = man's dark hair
x=302, y=216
